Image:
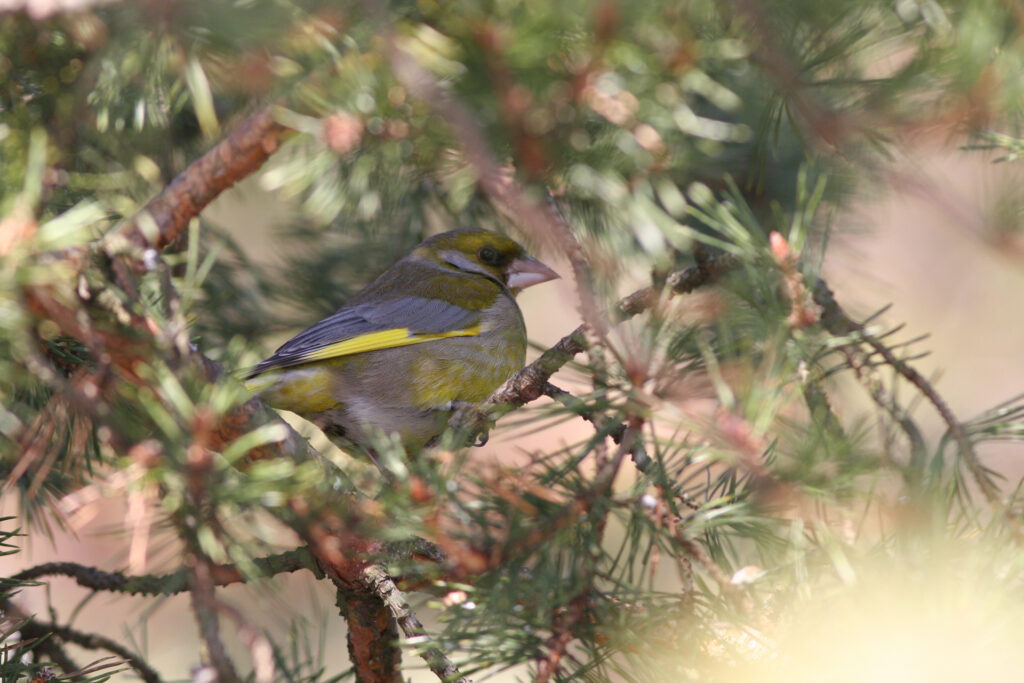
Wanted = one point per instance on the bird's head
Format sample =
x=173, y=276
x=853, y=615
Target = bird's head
x=486, y=253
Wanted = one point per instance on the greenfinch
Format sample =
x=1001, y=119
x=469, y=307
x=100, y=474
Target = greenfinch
x=439, y=328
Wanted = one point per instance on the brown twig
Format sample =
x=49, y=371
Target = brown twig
x=166, y=584
x=835, y=320
x=383, y=586
x=235, y=157
x=568, y=617
x=694, y=550
x=260, y=649
x=580, y=408
x=867, y=376
x=46, y=633
x=343, y=555
x=557, y=645
x=371, y=602
x=372, y=636
x=204, y=606
x=529, y=383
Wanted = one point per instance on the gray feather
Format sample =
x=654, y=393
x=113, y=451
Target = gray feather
x=419, y=315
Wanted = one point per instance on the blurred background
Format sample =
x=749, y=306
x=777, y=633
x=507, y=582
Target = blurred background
x=659, y=130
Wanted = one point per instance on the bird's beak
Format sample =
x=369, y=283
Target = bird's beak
x=527, y=271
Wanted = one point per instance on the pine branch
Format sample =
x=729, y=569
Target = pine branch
x=95, y=641
x=372, y=636
x=157, y=225
x=37, y=638
x=204, y=607
x=829, y=125
x=531, y=382
x=47, y=633
x=260, y=649
x=234, y=158
x=383, y=586
x=835, y=320
x=368, y=596
x=563, y=635
x=167, y=584
x=134, y=352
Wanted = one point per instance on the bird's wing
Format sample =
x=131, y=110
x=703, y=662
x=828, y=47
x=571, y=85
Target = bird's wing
x=372, y=326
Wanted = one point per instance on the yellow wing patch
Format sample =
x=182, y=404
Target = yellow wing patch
x=385, y=339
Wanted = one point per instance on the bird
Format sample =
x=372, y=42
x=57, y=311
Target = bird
x=438, y=329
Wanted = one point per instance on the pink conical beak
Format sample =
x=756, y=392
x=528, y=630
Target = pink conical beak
x=527, y=271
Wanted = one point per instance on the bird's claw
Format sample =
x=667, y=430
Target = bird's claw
x=474, y=422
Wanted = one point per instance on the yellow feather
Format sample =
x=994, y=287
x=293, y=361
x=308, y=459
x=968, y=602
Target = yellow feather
x=301, y=389
x=385, y=339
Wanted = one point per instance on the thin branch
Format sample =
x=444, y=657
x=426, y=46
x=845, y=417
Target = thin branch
x=260, y=649
x=372, y=634
x=35, y=637
x=204, y=606
x=725, y=584
x=235, y=157
x=985, y=484
x=167, y=584
x=39, y=629
x=529, y=383
x=371, y=601
x=835, y=320
x=580, y=408
x=563, y=636
x=567, y=618
x=866, y=376
x=383, y=586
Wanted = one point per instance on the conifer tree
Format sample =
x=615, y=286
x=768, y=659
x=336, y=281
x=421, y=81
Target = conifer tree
x=682, y=161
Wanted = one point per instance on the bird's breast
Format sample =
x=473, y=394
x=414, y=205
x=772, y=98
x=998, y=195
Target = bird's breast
x=470, y=368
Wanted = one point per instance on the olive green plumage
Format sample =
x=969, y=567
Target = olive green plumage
x=438, y=328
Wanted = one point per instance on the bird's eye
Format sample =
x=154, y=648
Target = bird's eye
x=489, y=255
